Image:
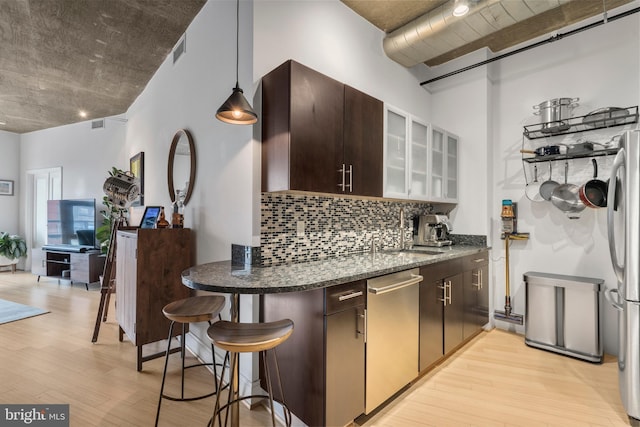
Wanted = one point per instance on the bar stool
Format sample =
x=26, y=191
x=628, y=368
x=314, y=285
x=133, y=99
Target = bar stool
x=238, y=338
x=185, y=311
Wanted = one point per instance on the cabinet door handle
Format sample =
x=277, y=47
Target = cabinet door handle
x=362, y=316
x=350, y=185
x=444, y=294
x=359, y=318
x=342, y=170
x=480, y=277
x=478, y=274
x=349, y=296
x=449, y=286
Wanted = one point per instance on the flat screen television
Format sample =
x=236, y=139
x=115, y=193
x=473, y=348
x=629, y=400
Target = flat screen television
x=71, y=223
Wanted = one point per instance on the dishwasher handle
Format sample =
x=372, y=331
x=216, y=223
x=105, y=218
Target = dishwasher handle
x=415, y=279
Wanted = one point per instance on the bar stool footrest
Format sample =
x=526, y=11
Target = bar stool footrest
x=190, y=399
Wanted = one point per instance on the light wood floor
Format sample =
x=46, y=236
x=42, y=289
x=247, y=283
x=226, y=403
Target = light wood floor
x=494, y=381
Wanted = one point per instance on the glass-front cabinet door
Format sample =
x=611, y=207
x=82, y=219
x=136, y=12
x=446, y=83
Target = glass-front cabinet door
x=395, y=154
x=436, y=171
x=443, y=166
x=418, y=182
x=451, y=187
x=420, y=160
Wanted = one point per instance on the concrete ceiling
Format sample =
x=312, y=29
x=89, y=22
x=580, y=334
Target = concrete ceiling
x=425, y=31
x=60, y=57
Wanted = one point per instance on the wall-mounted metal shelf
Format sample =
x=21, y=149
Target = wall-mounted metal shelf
x=586, y=154
x=598, y=119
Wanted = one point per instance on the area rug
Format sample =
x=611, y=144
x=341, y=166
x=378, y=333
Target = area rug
x=12, y=311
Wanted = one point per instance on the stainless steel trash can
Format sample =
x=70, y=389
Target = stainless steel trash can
x=563, y=314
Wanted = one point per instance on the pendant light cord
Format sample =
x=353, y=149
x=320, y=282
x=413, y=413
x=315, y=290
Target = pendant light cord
x=237, y=40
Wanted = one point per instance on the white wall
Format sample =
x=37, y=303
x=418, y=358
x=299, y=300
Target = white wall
x=332, y=39
x=601, y=67
x=85, y=155
x=460, y=105
x=10, y=170
x=187, y=95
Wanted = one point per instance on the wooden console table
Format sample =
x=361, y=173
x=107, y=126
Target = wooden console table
x=148, y=267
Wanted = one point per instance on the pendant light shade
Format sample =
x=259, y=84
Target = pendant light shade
x=236, y=109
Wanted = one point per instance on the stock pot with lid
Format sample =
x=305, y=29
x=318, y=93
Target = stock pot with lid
x=554, y=112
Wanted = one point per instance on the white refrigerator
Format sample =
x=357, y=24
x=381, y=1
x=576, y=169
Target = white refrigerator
x=623, y=223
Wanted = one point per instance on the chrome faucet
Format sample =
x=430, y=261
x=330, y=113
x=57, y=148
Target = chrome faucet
x=375, y=237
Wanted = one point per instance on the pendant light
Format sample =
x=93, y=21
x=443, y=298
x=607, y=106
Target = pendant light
x=236, y=109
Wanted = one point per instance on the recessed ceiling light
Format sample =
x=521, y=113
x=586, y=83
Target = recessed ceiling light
x=460, y=8
x=82, y=113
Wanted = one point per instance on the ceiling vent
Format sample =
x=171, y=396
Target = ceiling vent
x=97, y=124
x=439, y=32
x=180, y=48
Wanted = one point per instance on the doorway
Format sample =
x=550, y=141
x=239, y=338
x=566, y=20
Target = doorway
x=42, y=185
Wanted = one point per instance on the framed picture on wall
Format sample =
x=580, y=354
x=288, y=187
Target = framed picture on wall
x=136, y=167
x=6, y=187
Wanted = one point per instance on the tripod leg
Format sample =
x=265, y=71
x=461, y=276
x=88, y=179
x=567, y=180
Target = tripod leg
x=107, y=279
x=106, y=303
x=96, y=329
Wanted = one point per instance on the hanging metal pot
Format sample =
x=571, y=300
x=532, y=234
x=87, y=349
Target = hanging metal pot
x=547, y=187
x=594, y=192
x=566, y=197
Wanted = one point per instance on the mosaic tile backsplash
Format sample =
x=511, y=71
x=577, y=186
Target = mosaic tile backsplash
x=298, y=228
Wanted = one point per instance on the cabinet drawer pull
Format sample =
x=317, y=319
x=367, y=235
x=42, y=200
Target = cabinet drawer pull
x=478, y=260
x=349, y=296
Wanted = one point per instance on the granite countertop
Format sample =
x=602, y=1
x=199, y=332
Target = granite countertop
x=223, y=277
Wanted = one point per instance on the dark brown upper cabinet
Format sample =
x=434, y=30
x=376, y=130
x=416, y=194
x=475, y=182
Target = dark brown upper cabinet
x=363, y=141
x=319, y=135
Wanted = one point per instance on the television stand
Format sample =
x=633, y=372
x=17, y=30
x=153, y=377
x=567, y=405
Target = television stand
x=68, y=264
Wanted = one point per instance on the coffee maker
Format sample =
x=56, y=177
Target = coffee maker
x=432, y=230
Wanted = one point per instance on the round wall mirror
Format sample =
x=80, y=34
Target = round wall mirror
x=182, y=165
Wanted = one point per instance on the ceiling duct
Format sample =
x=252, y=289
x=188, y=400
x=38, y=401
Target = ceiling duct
x=97, y=124
x=180, y=49
x=438, y=31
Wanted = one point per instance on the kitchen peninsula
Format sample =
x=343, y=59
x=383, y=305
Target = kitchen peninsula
x=304, y=291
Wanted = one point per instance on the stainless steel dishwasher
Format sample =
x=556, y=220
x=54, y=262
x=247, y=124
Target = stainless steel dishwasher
x=392, y=335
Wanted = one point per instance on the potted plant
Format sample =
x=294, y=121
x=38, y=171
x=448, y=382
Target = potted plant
x=12, y=248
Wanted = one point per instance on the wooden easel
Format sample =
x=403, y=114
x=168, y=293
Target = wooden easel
x=108, y=283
